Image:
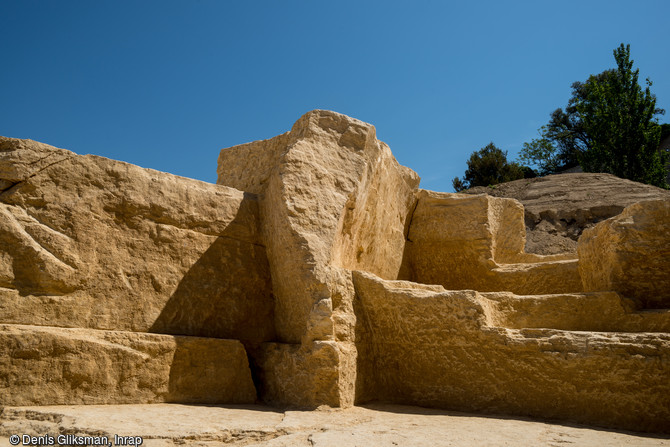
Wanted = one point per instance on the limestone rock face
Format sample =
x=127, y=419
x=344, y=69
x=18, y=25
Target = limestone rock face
x=332, y=198
x=559, y=207
x=84, y=366
x=301, y=376
x=630, y=254
x=331, y=193
x=477, y=242
x=336, y=277
x=95, y=243
x=427, y=347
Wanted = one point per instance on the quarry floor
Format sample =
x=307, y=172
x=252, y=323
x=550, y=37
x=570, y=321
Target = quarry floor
x=255, y=425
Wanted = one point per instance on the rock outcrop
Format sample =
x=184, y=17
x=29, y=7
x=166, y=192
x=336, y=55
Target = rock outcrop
x=630, y=254
x=82, y=366
x=97, y=244
x=332, y=198
x=559, y=207
x=317, y=273
x=476, y=242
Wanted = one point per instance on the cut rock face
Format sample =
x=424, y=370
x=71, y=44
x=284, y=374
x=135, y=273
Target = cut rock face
x=336, y=277
x=438, y=348
x=84, y=366
x=96, y=243
x=332, y=198
x=476, y=242
x=630, y=254
x=331, y=195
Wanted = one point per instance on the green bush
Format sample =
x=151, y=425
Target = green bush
x=489, y=166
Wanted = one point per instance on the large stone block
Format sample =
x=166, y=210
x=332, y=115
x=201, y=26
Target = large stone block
x=593, y=311
x=424, y=346
x=477, y=242
x=96, y=243
x=332, y=198
x=630, y=254
x=305, y=376
x=57, y=366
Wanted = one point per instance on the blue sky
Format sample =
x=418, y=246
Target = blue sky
x=167, y=84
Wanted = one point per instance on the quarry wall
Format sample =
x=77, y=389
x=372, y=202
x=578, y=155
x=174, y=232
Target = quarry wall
x=316, y=272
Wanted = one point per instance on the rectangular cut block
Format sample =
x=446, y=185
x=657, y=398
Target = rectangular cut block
x=57, y=366
x=322, y=373
x=534, y=278
x=630, y=254
x=476, y=242
x=422, y=346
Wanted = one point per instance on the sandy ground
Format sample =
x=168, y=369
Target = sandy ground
x=374, y=425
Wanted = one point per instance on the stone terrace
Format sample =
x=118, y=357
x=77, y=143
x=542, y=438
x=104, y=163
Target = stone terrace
x=317, y=273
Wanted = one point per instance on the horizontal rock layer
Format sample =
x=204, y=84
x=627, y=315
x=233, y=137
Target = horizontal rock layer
x=425, y=347
x=595, y=311
x=46, y=365
x=170, y=425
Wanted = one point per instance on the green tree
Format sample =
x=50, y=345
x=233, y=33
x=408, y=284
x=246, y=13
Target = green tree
x=618, y=116
x=489, y=166
x=665, y=130
x=607, y=126
x=542, y=154
x=563, y=139
x=566, y=128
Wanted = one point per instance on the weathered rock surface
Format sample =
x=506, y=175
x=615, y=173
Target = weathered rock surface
x=559, y=207
x=95, y=243
x=85, y=366
x=594, y=311
x=435, y=348
x=331, y=193
x=477, y=242
x=332, y=198
x=630, y=254
x=332, y=270
x=301, y=376
x=167, y=425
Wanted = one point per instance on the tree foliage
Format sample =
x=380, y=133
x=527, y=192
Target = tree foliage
x=607, y=126
x=665, y=130
x=618, y=117
x=489, y=166
x=542, y=154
